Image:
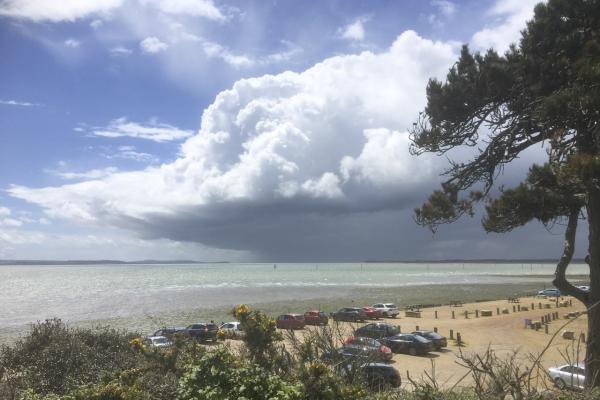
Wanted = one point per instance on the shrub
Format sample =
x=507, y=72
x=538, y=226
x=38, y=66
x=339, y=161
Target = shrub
x=219, y=375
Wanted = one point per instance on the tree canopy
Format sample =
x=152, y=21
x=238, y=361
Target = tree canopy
x=545, y=90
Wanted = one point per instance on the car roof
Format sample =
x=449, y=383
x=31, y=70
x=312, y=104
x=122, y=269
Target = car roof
x=580, y=365
x=157, y=337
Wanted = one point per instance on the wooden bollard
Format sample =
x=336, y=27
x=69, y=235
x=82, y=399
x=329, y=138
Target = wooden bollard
x=476, y=313
x=435, y=314
x=570, y=302
x=518, y=307
x=533, y=306
x=514, y=309
x=497, y=310
x=543, y=319
x=417, y=328
x=451, y=334
x=466, y=314
x=540, y=305
x=546, y=329
x=453, y=314
x=458, y=338
x=435, y=329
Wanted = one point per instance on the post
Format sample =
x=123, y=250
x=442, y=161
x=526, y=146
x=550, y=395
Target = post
x=540, y=305
x=451, y=334
x=476, y=313
x=514, y=309
x=518, y=307
x=458, y=338
x=570, y=302
x=435, y=329
x=436, y=317
x=466, y=314
x=546, y=329
x=497, y=310
x=533, y=306
x=453, y=314
x=417, y=328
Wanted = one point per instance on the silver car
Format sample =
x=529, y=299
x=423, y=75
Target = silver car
x=158, y=342
x=387, y=309
x=568, y=376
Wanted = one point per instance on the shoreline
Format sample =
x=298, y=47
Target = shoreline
x=402, y=296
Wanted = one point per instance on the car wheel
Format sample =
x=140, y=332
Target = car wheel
x=412, y=351
x=560, y=383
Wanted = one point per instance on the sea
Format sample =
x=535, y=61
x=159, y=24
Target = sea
x=29, y=293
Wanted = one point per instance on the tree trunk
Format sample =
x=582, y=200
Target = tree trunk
x=592, y=371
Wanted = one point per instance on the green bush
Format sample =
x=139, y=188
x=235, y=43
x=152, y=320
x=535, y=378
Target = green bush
x=53, y=358
x=219, y=375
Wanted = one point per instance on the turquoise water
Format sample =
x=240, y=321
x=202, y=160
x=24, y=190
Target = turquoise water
x=79, y=293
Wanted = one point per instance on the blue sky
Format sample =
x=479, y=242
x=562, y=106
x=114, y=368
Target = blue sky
x=240, y=130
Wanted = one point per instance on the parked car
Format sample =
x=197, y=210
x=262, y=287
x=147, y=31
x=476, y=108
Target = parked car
x=232, y=330
x=290, y=321
x=376, y=375
x=388, y=310
x=549, y=292
x=373, y=348
x=316, y=317
x=372, y=313
x=377, y=330
x=352, y=314
x=585, y=288
x=568, y=376
x=438, y=340
x=168, y=332
x=203, y=331
x=408, y=343
x=157, y=342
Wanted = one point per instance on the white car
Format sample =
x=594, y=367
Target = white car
x=568, y=376
x=387, y=309
x=232, y=329
x=158, y=342
x=549, y=293
x=585, y=288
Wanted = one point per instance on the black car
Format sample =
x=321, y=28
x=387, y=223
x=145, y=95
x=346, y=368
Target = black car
x=352, y=314
x=380, y=376
x=438, y=340
x=203, y=331
x=408, y=343
x=169, y=332
x=377, y=330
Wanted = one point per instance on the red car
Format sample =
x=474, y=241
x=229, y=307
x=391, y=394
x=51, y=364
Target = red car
x=372, y=313
x=316, y=317
x=290, y=321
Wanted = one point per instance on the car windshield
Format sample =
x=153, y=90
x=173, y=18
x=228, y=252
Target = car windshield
x=299, y=317
x=390, y=305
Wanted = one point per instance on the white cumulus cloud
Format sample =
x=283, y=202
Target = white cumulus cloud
x=275, y=152
x=353, y=31
x=509, y=18
x=153, y=45
x=197, y=8
x=19, y=103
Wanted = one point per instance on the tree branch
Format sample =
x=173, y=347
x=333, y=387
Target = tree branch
x=560, y=280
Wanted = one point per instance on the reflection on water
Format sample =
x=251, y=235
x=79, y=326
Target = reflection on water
x=29, y=293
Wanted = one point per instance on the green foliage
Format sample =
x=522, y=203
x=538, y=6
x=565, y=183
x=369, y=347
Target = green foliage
x=219, y=375
x=545, y=195
x=54, y=358
x=261, y=339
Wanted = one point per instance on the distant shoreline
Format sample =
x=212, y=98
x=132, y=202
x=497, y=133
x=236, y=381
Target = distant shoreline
x=176, y=262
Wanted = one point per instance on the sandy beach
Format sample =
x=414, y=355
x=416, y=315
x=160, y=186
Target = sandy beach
x=504, y=334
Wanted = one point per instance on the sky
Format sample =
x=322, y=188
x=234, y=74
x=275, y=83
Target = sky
x=265, y=130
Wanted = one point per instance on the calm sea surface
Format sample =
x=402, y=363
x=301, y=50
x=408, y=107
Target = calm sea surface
x=90, y=292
